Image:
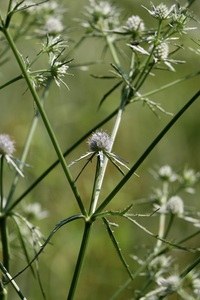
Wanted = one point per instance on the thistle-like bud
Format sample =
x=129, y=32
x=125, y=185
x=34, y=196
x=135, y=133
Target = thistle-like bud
x=99, y=141
x=166, y=173
x=161, y=51
x=175, y=205
x=134, y=24
x=161, y=11
x=7, y=146
x=172, y=283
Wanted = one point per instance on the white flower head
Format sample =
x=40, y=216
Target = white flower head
x=53, y=26
x=171, y=284
x=161, y=11
x=161, y=54
x=58, y=69
x=99, y=141
x=7, y=148
x=135, y=25
x=100, y=145
x=175, y=206
x=166, y=173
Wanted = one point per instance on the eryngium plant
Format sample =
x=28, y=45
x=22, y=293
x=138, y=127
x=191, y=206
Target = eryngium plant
x=139, y=51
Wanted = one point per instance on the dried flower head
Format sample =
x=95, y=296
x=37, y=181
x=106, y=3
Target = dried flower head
x=7, y=148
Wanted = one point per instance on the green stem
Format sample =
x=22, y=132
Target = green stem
x=5, y=253
x=45, y=120
x=11, y=81
x=4, y=241
x=27, y=144
x=161, y=231
x=69, y=150
x=1, y=183
x=113, y=136
x=80, y=260
x=146, y=153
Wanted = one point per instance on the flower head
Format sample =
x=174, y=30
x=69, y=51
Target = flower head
x=161, y=11
x=58, y=69
x=101, y=15
x=166, y=173
x=7, y=148
x=99, y=141
x=161, y=54
x=175, y=206
x=100, y=144
x=134, y=25
x=180, y=18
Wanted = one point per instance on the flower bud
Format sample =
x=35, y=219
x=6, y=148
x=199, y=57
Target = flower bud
x=6, y=145
x=99, y=141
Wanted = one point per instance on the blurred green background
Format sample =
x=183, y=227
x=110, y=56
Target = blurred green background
x=72, y=113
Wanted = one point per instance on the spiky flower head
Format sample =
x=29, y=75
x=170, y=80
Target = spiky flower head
x=101, y=15
x=134, y=24
x=53, y=26
x=180, y=18
x=175, y=206
x=99, y=141
x=7, y=145
x=166, y=173
x=171, y=284
x=161, y=11
x=7, y=148
x=161, y=51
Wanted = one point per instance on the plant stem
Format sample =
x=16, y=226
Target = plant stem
x=45, y=120
x=113, y=136
x=162, y=220
x=27, y=144
x=80, y=260
x=1, y=183
x=146, y=153
x=5, y=253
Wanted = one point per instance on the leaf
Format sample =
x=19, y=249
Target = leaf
x=116, y=245
x=58, y=226
x=109, y=93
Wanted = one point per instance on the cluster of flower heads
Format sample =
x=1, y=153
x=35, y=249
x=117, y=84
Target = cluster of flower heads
x=47, y=17
x=100, y=144
x=173, y=203
x=7, y=148
x=102, y=17
x=44, y=21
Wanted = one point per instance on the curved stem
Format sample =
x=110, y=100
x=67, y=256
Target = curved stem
x=80, y=260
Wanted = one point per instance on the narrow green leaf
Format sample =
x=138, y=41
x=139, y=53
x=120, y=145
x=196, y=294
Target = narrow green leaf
x=116, y=246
